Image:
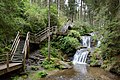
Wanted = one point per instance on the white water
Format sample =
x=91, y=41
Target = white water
x=86, y=41
x=80, y=56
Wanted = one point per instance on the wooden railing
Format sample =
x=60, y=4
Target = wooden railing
x=42, y=34
x=7, y=57
x=4, y=57
x=15, y=45
x=25, y=49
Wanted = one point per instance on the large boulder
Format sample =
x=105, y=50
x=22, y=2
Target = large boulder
x=65, y=65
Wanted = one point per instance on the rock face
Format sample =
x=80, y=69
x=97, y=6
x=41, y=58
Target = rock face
x=115, y=68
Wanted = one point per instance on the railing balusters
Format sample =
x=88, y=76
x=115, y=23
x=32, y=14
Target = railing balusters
x=44, y=33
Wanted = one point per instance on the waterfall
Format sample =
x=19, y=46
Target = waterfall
x=80, y=56
x=86, y=41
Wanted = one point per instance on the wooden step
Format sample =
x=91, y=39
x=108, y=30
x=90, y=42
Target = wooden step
x=17, y=61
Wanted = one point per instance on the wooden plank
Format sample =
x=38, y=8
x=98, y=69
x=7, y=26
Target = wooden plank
x=12, y=67
x=4, y=66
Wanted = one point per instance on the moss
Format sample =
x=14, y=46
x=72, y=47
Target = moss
x=51, y=65
x=42, y=74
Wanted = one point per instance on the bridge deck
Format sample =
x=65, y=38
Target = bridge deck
x=12, y=66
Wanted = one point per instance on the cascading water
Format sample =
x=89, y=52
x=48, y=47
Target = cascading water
x=86, y=41
x=80, y=56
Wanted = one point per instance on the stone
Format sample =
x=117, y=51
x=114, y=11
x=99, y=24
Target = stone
x=65, y=65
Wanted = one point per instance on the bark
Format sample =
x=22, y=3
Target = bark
x=49, y=30
x=81, y=9
x=58, y=6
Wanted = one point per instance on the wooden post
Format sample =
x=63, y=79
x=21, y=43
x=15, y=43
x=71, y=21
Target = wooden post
x=24, y=60
x=28, y=45
x=7, y=62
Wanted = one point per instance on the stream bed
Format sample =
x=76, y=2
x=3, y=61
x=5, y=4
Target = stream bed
x=82, y=72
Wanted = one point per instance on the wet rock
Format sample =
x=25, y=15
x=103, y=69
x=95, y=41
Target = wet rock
x=65, y=65
x=115, y=68
x=35, y=58
x=80, y=47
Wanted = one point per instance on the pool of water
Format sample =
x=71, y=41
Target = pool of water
x=82, y=72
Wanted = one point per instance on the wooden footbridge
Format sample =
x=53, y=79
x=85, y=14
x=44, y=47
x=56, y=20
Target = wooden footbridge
x=19, y=51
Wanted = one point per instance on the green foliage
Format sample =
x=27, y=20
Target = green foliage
x=37, y=75
x=62, y=19
x=111, y=42
x=96, y=57
x=51, y=65
x=69, y=44
x=82, y=27
x=34, y=68
x=42, y=74
x=54, y=52
x=71, y=8
x=15, y=78
x=74, y=33
x=20, y=15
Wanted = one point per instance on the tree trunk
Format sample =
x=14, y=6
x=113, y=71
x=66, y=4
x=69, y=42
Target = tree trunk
x=84, y=16
x=58, y=6
x=49, y=30
x=81, y=9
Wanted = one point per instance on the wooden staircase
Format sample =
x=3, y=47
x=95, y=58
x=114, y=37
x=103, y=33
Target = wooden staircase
x=16, y=58
x=42, y=35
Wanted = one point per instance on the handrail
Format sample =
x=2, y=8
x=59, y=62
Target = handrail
x=43, y=33
x=15, y=40
x=25, y=48
x=13, y=48
x=15, y=45
x=38, y=37
x=5, y=60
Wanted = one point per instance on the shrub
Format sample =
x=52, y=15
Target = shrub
x=42, y=74
x=74, y=33
x=54, y=52
x=69, y=44
x=52, y=64
x=38, y=75
x=82, y=27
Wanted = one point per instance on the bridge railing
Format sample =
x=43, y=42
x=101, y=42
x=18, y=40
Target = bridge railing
x=5, y=59
x=15, y=45
x=42, y=34
x=26, y=49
